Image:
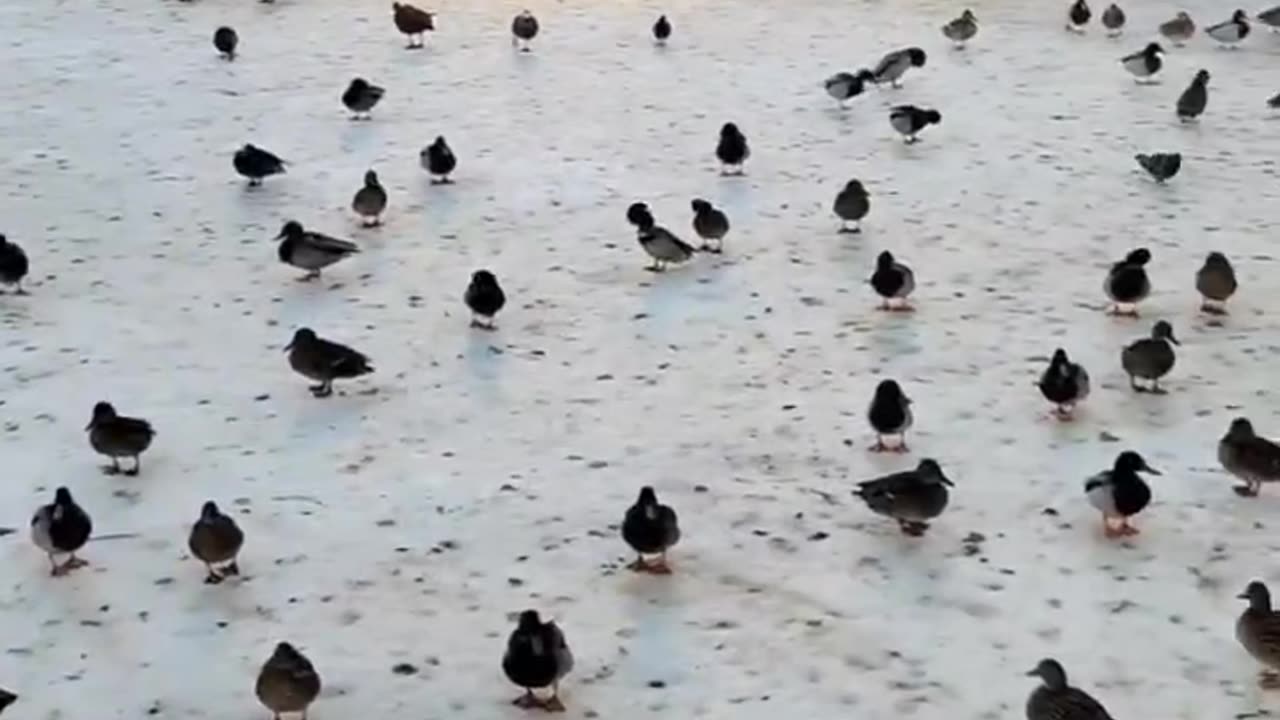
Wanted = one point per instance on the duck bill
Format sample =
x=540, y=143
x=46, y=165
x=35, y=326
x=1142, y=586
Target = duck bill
x=1174, y=340
x=1151, y=470
x=1033, y=672
x=90, y=425
x=1243, y=596
x=288, y=347
x=948, y=483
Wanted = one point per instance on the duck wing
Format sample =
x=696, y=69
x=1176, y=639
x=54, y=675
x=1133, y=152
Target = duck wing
x=325, y=243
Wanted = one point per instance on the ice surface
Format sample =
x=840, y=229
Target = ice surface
x=409, y=516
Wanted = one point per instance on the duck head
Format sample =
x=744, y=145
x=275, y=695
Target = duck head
x=638, y=214
x=931, y=473
x=1131, y=462
x=1060, y=362
x=62, y=497
x=1140, y=256
x=1152, y=49
x=303, y=336
x=916, y=56
x=483, y=278
x=1239, y=16
x=1202, y=77
x=529, y=622
x=700, y=206
x=855, y=186
x=1217, y=259
x=1164, y=331
x=371, y=179
x=1258, y=596
x=291, y=230
x=730, y=130
x=359, y=85
x=1050, y=671
x=889, y=391
x=102, y=412
x=932, y=117
x=1241, y=429
x=209, y=511
x=884, y=261
x=968, y=15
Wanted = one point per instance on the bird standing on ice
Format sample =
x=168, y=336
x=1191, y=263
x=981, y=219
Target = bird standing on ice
x=1178, y=30
x=1120, y=493
x=1054, y=699
x=1193, y=100
x=1232, y=31
x=524, y=28
x=1065, y=384
x=1078, y=16
x=484, y=297
x=851, y=205
x=960, y=30
x=360, y=97
x=912, y=497
x=225, y=41
x=894, y=65
x=215, y=540
x=311, y=251
x=61, y=528
x=1160, y=166
x=1258, y=631
x=438, y=160
x=288, y=682
x=661, y=244
x=1249, y=457
x=13, y=265
x=845, y=86
x=893, y=281
x=1145, y=63
x=255, y=163
x=1113, y=20
x=1127, y=283
x=711, y=224
x=370, y=201
x=1150, y=358
x=650, y=528
x=117, y=436
x=1216, y=282
x=537, y=657
x=324, y=361
x=732, y=150
x=889, y=415
x=909, y=120
x=661, y=30
x=412, y=21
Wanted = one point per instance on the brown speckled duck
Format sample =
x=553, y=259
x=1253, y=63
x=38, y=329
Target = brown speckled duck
x=1253, y=459
x=287, y=683
x=216, y=540
x=1258, y=630
x=117, y=436
x=1056, y=700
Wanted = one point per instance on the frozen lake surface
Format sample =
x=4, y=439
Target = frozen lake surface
x=407, y=518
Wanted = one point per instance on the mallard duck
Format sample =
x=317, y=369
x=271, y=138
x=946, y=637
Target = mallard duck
x=537, y=657
x=370, y=200
x=118, y=437
x=893, y=282
x=61, y=528
x=1078, y=15
x=1113, y=19
x=1120, y=493
x=13, y=265
x=909, y=120
x=962, y=29
x=1056, y=700
x=851, y=205
x=1251, y=458
x=1145, y=63
x=215, y=540
x=438, y=160
x=1160, y=166
x=360, y=97
x=411, y=21
x=1195, y=98
x=912, y=497
x=1179, y=29
x=1127, y=283
x=524, y=28
x=1231, y=31
x=650, y=528
x=1269, y=17
x=894, y=65
x=255, y=163
x=6, y=699
x=485, y=298
x=889, y=415
x=1258, y=630
x=1216, y=282
x=1150, y=358
x=311, y=251
x=661, y=30
x=711, y=224
x=319, y=359
x=661, y=244
x=844, y=86
x=1065, y=384
x=732, y=150
x=288, y=682
x=225, y=40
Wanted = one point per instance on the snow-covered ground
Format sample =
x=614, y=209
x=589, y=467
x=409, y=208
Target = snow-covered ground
x=409, y=516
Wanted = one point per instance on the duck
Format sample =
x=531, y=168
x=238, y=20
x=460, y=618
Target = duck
x=117, y=436
x=1273, y=102
x=1231, y=31
x=215, y=540
x=370, y=201
x=1120, y=493
x=485, y=298
x=1078, y=15
x=851, y=205
x=711, y=224
x=893, y=282
x=1054, y=699
x=1178, y=30
x=1150, y=358
x=1249, y=457
x=360, y=97
x=1145, y=63
x=412, y=21
x=1065, y=384
x=438, y=160
x=323, y=360
x=225, y=41
x=889, y=415
x=524, y=28
x=1127, y=283
x=962, y=29
x=909, y=120
x=650, y=528
x=661, y=244
x=1258, y=631
x=1113, y=20
x=61, y=528
x=13, y=265
x=255, y=163
x=911, y=497
x=894, y=65
x=1160, y=166
x=732, y=150
x=845, y=86
x=288, y=682
x=6, y=699
x=1269, y=17
x=537, y=657
x=661, y=30
x=311, y=251
x=1216, y=282
x=1194, y=99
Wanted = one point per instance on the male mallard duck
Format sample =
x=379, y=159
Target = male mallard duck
x=890, y=414
x=1150, y=358
x=61, y=528
x=732, y=150
x=960, y=30
x=225, y=41
x=909, y=120
x=711, y=224
x=411, y=21
x=118, y=437
x=661, y=244
x=1216, y=281
x=661, y=30
x=255, y=163
x=845, y=86
x=319, y=359
x=485, y=298
x=1065, y=384
x=1145, y=63
x=1056, y=700
x=537, y=657
x=288, y=682
x=524, y=28
x=13, y=265
x=1160, y=166
x=1231, y=31
x=1251, y=458
x=360, y=97
x=1193, y=100
x=1113, y=19
x=311, y=251
x=894, y=65
x=215, y=540
x=912, y=497
x=1127, y=283
x=893, y=281
x=1179, y=29
x=851, y=205
x=371, y=200
x=1258, y=630
x=650, y=528
x=1078, y=15
x=1120, y=493
x=438, y=160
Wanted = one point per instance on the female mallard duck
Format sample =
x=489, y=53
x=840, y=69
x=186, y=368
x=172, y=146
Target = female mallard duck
x=1056, y=700
x=360, y=97
x=894, y=65
x=412, y=21
x=1216, y=282
x=370, y=200
x=1150, y=358
x=288, y=682
x=960, y=30
x=117, y=436
x=851, y=205
x=537, y=657
x=215, y=540
x=61, y=528
x=1120, y=493
x=1065, y=384
x=324, y=361
x=1113, y=20
x=912, y=497
x=311, y=251
x=1258, y=630
x=1251, y=458
x=894, y=282
x=889, y=415
x=732, y=150
x=1127, y=283
x=650, y=528
x=711, y=224
x=1179, y=29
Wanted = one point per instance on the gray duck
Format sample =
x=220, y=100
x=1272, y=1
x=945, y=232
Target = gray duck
x=1247, y=456
x=117, y=436
x=370, y=201
x=912, y=497
x=311, y=251
x=325, y=361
